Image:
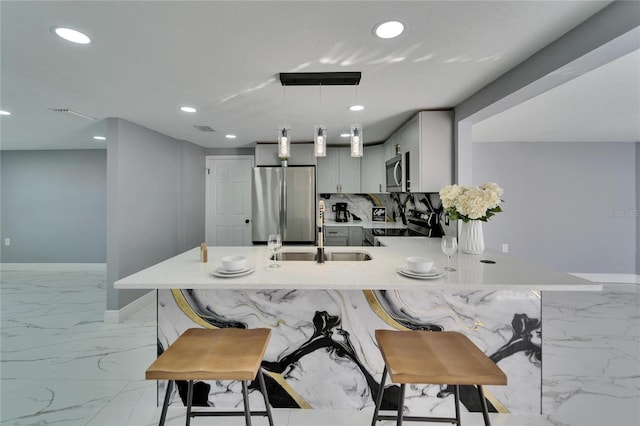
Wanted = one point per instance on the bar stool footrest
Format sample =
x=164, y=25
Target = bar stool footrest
x=419, y=419
x=226, y=413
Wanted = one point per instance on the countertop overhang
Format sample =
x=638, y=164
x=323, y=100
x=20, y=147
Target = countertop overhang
x=186, y=271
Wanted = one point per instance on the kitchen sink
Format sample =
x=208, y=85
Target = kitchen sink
x=348, y=256
x=295, y=255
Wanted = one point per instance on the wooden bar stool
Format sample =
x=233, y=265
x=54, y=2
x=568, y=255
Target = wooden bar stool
x=439, y=358
x=214, y=354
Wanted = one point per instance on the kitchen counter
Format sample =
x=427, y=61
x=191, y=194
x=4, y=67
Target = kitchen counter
x=185, y=271
x=323, y=317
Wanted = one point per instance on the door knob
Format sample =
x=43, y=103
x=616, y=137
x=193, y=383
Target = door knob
x=246, y=221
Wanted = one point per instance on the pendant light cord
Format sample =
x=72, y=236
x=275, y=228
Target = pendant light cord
x=284, y=105
x=357, y=120
x=320, y=97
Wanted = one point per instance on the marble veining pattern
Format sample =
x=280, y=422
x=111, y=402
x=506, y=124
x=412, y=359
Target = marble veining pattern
x=323, y=341
x=61, y=365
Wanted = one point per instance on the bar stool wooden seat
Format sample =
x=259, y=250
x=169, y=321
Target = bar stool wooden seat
x=442, y=358
x=214, y=354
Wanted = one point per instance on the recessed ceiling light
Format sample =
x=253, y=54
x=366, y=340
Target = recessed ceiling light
x=230, y=136
x=356, y=107
x=4, y=112
x=100, y=138
x=345, y=135
x=390, y=29
x=187, y=109
x=72, y=35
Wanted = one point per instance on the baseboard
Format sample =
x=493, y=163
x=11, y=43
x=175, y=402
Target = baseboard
x=609, y=278
x=119, y=315
x=53, y=267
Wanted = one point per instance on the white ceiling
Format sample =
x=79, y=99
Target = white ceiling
x=600, y=106
x=149, y=58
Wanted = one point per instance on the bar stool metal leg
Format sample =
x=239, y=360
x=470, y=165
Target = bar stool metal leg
x=401, y=404
x=483, y=403
x=189, y=401
x=379, y=398
x=456, y=395
x=245, y=398
x=263, y=389
x=165, y=404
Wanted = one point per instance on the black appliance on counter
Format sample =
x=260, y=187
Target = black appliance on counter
x=419, y=224
x=342, y=214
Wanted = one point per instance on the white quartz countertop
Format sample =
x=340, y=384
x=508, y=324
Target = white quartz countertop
x=186, y=271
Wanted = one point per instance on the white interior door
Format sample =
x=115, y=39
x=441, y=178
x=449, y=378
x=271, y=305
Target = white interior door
x=228, y=200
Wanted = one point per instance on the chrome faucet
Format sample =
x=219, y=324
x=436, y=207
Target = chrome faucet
x=320, y=254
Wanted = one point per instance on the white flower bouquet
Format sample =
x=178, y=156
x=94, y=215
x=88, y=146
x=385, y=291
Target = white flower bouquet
x=471, y=202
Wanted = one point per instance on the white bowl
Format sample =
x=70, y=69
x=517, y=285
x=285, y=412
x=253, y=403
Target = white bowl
x=234, y=263
x=419, y=265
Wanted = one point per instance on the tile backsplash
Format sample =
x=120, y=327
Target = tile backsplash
x=361, y=204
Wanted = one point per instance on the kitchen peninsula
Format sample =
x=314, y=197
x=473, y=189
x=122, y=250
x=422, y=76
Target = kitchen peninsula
x=322, y=352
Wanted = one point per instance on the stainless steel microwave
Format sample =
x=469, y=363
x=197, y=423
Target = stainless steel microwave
x=397, y=171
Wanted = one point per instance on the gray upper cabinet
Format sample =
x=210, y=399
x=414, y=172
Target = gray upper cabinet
x=301, y=154
x=428, y=137
x=338, y=172
x=433, y=164
x=373, y=170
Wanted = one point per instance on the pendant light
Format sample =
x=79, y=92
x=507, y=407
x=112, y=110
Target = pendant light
x=320, y=141
x=320, y=134
x=283, y=142
x=283, y=131
x=357, y=141
x=319, y=130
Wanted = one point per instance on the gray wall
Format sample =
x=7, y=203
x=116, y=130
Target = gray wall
x=156, y=196
x=54, y=206
x=638, y=208
x=563, y=202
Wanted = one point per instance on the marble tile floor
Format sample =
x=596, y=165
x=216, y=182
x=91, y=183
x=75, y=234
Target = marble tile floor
x=62, y=365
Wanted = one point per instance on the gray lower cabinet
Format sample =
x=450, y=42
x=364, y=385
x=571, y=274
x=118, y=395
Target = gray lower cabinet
x=355, y=236
x=343, y=236
x=336, y=235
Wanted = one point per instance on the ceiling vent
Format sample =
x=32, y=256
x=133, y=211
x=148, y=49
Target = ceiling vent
x=70, y=111
x=204, y=128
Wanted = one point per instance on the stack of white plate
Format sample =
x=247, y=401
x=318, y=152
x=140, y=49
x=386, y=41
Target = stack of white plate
x=420, y=268
x=233, y=266
x=431, y=275
x=220, y=272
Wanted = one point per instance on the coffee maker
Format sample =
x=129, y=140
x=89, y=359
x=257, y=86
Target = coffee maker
x=342, y=214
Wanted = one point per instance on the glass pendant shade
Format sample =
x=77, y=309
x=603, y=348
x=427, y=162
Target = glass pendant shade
x=283, y=142
x=356, y=140
x=320, y=141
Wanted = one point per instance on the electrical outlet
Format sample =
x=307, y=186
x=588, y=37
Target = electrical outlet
x=7, y=241
x=505, y=248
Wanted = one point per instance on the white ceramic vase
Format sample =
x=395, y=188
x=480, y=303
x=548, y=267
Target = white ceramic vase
x=471, y=237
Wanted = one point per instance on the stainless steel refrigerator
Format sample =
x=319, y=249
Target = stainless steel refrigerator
x=284, y=202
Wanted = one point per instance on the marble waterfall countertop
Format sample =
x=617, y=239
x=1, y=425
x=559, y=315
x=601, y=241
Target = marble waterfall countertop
x=185, y=271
